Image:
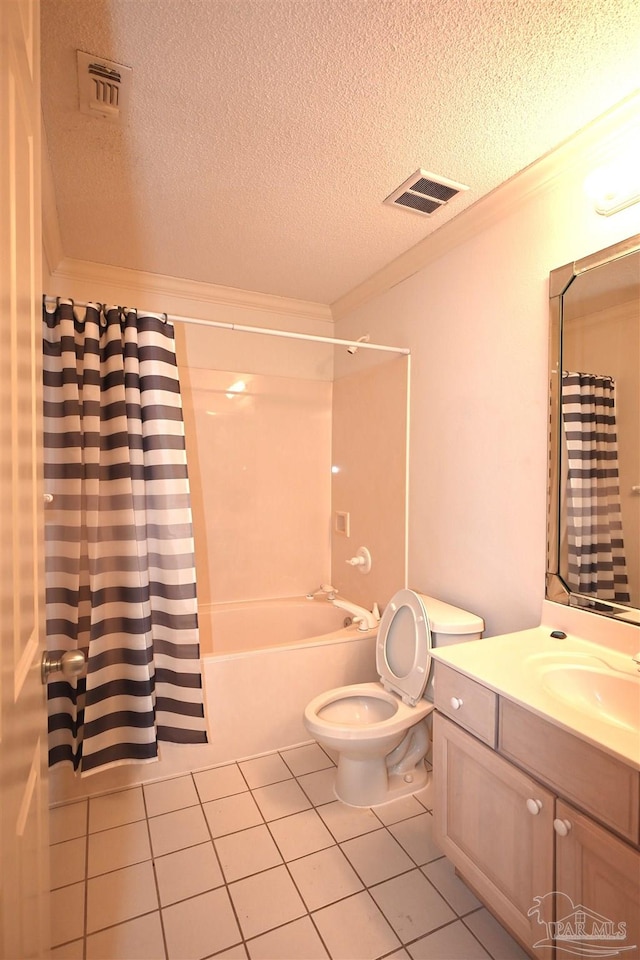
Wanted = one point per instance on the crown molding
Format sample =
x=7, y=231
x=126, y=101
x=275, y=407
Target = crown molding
x=141, y=283
x=51, y=241
x=592, y=144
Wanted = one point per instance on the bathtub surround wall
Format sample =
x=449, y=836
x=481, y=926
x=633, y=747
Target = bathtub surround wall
x=262, y=448
x=369, y=457
x=262, y=483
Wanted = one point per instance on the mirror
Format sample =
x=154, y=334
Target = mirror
x=593, y=535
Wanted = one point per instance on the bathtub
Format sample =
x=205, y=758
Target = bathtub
x=267, y=659
x=262, y=662
x=246, y=627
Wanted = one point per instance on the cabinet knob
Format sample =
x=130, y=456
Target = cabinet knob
x=456, y=703
x=534, y=806
x=562, y=827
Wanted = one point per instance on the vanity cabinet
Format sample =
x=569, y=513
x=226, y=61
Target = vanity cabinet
x=495, y=824
x=527, y=811
x=600, y=872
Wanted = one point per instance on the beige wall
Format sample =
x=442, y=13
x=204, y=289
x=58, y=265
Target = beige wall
x=476, y=320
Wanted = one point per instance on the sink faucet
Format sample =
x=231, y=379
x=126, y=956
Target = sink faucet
x=366, y=619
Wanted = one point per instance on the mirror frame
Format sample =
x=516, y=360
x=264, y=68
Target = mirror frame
x=559, y=282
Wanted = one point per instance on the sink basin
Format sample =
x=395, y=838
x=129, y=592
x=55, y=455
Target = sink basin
x=604, y=694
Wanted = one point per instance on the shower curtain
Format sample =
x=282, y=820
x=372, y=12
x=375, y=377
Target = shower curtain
x=596, y=561
x=119, y=562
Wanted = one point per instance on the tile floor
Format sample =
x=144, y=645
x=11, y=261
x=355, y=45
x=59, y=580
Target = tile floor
x=258, y=859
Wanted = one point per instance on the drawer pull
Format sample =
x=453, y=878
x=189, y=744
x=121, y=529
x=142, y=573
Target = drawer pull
x=562, y=827
x=456, y=703
x=534, y=806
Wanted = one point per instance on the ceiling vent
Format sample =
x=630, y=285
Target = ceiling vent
x=104, y=87
x=424, y=193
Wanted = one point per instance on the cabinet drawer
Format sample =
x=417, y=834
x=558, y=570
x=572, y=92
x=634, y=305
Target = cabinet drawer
x=466, y=702
x=593, y=780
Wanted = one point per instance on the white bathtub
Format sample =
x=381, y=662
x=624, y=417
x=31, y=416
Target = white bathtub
x=269, y=658
x=244, y=627
x=262, y=662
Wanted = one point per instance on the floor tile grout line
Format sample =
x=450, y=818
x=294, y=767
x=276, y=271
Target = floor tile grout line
x=222, y=873
x=86, y=883
x=112, y=926
x=155, y=875
x=474, y=934
x=233, y=793
x=365, y=886
x=296, y=887
x=317, y=770
x=285, y=862
x=240, y=770
x=440, y=893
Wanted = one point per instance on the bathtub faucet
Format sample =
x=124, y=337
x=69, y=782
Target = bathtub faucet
x=366, y=619
x=324, y=592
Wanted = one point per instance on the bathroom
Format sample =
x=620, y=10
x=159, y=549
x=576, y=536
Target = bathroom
x=473, y=310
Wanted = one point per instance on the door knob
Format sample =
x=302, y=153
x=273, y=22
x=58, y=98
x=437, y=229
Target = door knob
x=534, y=806
x=70, y=664
x=456, y=703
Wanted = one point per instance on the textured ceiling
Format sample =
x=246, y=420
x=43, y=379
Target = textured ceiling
x=264, y=135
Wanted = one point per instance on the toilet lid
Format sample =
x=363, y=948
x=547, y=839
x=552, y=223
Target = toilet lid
x=402, y=646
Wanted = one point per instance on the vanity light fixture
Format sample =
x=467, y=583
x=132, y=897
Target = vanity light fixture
x=615, y=186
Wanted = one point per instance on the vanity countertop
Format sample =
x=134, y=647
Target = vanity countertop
x=586, y=688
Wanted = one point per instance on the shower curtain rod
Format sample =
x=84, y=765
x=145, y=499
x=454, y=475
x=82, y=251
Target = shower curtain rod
x=243, y=328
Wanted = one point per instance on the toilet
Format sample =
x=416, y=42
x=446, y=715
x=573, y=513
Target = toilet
x=380, y=730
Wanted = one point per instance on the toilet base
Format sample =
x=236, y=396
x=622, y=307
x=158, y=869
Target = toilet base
x=366, y=781
x=375, y=785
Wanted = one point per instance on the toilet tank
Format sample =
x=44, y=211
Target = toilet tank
x=450, y=624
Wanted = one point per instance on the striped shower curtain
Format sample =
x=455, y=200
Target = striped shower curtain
x=119, y=566
x=596, y=561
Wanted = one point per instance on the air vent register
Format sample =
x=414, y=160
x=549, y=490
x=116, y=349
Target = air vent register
x=424, y=193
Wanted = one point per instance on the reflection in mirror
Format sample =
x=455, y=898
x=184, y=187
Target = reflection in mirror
x=593, y=556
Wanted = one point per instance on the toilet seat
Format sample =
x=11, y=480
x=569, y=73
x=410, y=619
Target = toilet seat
x=403, y=645
x=401, y=718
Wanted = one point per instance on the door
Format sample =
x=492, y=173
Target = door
x=23, y=736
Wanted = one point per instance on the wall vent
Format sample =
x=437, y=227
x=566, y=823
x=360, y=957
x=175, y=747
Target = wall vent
x=424, y=193
x=104, y=87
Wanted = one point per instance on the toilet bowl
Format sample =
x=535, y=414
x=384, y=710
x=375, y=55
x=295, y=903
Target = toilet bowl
x=380, y=730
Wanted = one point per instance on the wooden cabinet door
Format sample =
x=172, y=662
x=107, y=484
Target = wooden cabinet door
x=496, y=825
x=597, y=888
